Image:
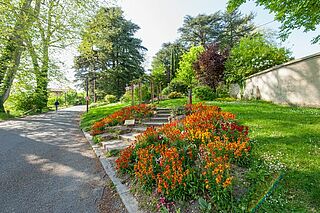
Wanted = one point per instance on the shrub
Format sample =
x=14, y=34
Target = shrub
x=252, y=55
x=177, y=85
x=204, y=93
x=126, y=98
x=165, y=91
x=222, y=91
x=174, y=95
x=109, y=99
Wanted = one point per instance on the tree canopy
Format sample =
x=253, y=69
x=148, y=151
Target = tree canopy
x=109, y=52
x=220, y=27
x=186, y=72
x=166, y=62
x=251, y=55
x=293, y=14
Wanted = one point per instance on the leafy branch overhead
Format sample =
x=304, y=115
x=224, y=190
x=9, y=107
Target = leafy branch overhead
x=292, y=14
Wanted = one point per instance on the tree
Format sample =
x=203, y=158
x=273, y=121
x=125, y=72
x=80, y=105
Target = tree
x=210, y=66
x=234, y=26
x=221, y=27
x=186, y=71
x=166, y=62
x=251, y=55
x=293, y=14
x=39, y=27
x=200, y=30
x=13, y=45
x=110, y=52
x=57, y=25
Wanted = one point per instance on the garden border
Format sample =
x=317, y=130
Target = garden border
x=127, y=198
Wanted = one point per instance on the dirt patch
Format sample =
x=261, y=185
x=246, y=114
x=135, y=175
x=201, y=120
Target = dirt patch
x=110, y=201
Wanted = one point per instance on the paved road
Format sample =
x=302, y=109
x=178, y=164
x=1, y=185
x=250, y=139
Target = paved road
x=46, y=165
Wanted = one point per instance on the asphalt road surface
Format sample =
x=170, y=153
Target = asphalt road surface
x=47, y=166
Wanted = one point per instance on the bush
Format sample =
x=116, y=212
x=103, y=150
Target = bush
x=222, y=91
x=165, y=91
x=177, y=85
x=204, y=93
x=146, y=95
x=109, y=99
x=174, y=95
x=252, y=55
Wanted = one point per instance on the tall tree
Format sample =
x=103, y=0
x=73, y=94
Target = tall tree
x=186, y=72
x=166, y=62
x=57, y=25
x=13, y=47
x=200, y=30
x=223, y=28
x=110, y=51
x=293, y=14
x=234, y=26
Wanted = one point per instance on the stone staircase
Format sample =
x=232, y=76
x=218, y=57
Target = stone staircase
x=162, y=116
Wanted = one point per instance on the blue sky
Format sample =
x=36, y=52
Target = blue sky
x=159, y=21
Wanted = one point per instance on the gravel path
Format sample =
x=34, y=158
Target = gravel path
x=46, y=165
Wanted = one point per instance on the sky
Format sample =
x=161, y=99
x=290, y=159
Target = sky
x=159, y=21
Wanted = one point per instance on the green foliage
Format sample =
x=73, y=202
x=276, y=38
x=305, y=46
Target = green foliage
x=109, y=99
x=108, y=45
x=186, y=71
x=166, y=62
x=222, y=91
x=165, y=91
x=177, y=85
x=220, y=27
x=175, y=95
x=146, y=95
x=204, y=93
x=205, y=206
x=293, y=14
x=251, y=55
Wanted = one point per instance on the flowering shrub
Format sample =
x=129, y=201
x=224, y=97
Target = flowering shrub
x=191, y=157
x=132, y=112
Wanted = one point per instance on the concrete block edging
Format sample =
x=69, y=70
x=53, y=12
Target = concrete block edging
x=127, y=198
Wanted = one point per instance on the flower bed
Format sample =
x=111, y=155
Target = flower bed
x=133, y=112
x=189, y=158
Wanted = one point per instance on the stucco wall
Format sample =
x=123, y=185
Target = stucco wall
x=296, y=82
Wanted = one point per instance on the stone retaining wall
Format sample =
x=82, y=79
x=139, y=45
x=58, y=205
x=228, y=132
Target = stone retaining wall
x=295, y=83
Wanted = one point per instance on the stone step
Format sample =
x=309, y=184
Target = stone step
x=163, y=111
x=130, y=137
x=139, y=129
x=158, y=119
x=163, y=115
x=154, y=123
x=162, y=108
x=114, y=145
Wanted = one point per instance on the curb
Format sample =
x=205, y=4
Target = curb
x=127, y=198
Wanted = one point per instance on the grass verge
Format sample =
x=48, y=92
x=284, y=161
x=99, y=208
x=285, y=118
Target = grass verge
x=97, y=113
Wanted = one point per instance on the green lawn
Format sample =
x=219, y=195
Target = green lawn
x=97, y=113
x=289, y=134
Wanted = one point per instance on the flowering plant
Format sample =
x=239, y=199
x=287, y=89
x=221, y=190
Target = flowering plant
x=190, y=157
x=132, y=112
